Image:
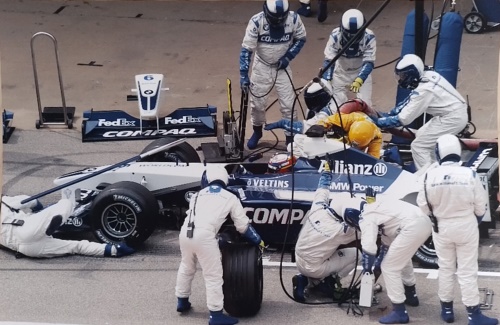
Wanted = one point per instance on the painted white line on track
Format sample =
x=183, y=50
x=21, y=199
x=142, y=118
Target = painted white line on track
x=431, y=273
x=28, y=323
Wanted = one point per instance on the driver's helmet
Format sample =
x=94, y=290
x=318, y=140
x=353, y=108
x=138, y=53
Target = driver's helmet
x=409, y=70
x=281, y=162
x=276, y=12
x=361, y=133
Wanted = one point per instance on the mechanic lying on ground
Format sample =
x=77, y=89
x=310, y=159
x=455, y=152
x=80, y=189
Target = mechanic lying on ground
x=208, y=210
x=430, y=93
x=455, y=199
x=320, y=263
x=404, y=229
x=28, y=228
x=361, y=132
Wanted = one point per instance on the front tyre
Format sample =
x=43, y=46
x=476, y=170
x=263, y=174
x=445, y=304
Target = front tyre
x=124, y=211
x=243, y=279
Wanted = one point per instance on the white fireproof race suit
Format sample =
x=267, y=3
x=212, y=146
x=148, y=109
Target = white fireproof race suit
x=457, y=197
x=404, y=228
x=436, y=96
x=357, y=61
x=30, y=238
x=208, y=209
x=316, y=252
x=265, y=73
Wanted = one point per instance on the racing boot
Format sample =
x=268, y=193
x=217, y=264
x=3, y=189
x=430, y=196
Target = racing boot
x=411, y=296
x=287, y=125
x=304, y=10
x=447, y=311
x=118, y=250
x=183, y=305
x=399, y=315
x=322, y=10
x=477, y=318
x=54, y=224
x=254, y=139
x=299, y=282
x=218, y=318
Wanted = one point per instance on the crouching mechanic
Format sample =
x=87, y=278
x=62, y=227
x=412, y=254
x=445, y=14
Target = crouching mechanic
x=455, y=199
x=27, y=228
x=316, y=252
x=352, y=121
x=208, y=210
x=404, y=228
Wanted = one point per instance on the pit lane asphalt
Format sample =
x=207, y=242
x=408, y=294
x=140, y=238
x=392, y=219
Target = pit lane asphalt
x=182, y=40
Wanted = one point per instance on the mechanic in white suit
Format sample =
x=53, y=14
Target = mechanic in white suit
x=305, y=9
x=276, y=35
x=316, y=252
x=27, y=229
x=456, y=200
x=352, y=70
x=430, y=93
x=404, y=228
x=208, y=210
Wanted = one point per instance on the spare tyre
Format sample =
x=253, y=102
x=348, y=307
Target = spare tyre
x=183, y=152
x=243, y=279
x=124, y=211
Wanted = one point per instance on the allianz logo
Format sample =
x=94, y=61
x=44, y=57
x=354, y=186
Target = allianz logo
x=379, y=169
x=118, y=122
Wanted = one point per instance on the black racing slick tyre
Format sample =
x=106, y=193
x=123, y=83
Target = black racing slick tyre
x=124, y=211
x=243, y=279
x=183, y=152
x=426, y=255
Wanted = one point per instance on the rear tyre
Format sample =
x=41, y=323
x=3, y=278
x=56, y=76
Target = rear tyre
x=124, y=211
x=243, y=279
x=183, y=152
x=426, y=255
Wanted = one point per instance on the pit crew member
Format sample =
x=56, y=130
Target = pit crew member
x=28, y=228
x=430, y=93
x=208, y=209
x=316, y=252
x=305, y=9
x=352, y=71
x=404, y=228
x=276, y=35
x=455, y=199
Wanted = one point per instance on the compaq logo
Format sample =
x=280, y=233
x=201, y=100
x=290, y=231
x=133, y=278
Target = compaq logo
x=118, y=122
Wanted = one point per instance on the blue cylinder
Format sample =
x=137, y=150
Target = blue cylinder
x=447, y=53
x=408, y=46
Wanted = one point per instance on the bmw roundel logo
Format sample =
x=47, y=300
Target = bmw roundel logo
x=380, y=169
x=148, y=77
x=148, y=92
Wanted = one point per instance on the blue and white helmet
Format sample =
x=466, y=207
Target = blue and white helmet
x=352, y=21
x=316, y=97
x=214, y=173
x=276, y=12
x=409, y=70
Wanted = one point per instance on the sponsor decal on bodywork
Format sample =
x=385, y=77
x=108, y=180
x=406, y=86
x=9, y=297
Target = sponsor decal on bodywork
x=270, y=216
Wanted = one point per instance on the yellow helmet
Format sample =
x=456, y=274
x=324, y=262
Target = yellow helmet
x=361, y=133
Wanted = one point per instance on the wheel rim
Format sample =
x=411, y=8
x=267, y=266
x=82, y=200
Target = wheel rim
x=474, y=23
x=428, y=248
x=119, y=220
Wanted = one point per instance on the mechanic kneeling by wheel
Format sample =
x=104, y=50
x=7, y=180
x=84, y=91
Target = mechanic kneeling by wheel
x=320, y=263
x=208, y=210
x=28, y=228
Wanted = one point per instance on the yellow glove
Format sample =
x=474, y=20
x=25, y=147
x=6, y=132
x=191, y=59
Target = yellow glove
x=262, y=246
x=326, y=166
x=357, y=83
